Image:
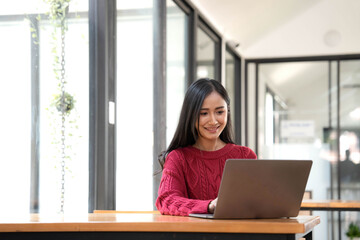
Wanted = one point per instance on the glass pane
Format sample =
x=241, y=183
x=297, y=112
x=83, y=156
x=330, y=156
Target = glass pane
x=205, y=55
x=15, y=123
x=269, y=119
x=330, y=134
x=76, y=122
x=15, y=46
x=294, y=118
x=176, y=29
x=350, y=138
x=134, y=107
x=230, y=83
x=251, y=110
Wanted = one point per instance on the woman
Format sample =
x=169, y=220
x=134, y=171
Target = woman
x=194, y=161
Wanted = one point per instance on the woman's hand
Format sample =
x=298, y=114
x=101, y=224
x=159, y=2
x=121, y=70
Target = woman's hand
x=212, y=205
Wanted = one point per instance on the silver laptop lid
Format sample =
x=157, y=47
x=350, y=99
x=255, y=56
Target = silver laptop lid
x=262, y=188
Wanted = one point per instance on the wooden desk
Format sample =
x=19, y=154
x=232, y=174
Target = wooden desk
x=106, y=226
x=330, y=205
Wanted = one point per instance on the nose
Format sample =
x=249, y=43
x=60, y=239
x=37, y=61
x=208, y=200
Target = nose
x=212, y=120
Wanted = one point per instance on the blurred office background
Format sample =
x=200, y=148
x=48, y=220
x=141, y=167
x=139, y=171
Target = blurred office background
x=292, y=69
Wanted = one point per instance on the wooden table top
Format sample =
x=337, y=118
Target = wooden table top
x=341, y=205
x=149, y=222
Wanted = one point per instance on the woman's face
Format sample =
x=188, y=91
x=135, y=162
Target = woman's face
x=213, y=117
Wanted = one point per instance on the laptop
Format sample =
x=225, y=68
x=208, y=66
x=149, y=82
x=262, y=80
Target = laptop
x=261, y=189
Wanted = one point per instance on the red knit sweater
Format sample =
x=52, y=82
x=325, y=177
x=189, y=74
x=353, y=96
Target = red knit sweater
x=191, y=178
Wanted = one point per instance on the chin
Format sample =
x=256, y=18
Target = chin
x=211, y=138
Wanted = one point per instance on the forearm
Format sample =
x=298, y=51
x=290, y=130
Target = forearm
x=181, y=206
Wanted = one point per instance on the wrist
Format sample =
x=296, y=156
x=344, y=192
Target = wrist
x=210, y=207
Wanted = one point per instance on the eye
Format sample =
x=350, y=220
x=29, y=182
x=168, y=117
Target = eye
x=220, y=112
x=203, y=113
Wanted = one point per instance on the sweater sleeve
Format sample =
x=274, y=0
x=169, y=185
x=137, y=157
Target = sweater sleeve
x=173, y=195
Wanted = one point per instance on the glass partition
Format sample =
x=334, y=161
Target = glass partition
x=292, y=116
x=310, y=110
x=349, y=164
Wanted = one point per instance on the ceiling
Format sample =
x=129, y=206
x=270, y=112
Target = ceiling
x=282, y=28
x=294, y=28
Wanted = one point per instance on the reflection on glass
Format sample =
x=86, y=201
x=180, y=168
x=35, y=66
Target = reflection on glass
x=205, y=55
x=175, y=72
x=230, y=83
x=15, y=121
x=134, y=108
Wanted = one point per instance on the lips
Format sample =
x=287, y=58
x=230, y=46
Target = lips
x=212, y=129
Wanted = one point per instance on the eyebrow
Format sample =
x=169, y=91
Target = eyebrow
x=215, y=108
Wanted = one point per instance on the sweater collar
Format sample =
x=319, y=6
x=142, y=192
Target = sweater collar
x=211, y=154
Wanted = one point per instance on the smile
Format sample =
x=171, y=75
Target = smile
x=212, y=129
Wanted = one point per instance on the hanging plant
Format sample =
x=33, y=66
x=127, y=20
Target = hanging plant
x=58, y=11
x=65, y=106
x=63, y=103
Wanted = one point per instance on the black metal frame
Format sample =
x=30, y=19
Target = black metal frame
x=102, y=134
x=159, y=101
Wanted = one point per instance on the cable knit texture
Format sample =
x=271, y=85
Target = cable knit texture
x=191, y=178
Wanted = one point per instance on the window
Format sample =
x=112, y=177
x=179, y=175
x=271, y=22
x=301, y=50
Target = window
x=76, y=124
x=134, y=117
x=233, y=87
x=205, y=55
x=176, y=31
x=15, y=123
x=30, y=159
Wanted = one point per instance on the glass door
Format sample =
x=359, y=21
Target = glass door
x=293, y=111
x=310, y=110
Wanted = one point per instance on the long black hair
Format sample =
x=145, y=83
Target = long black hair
x=186, y=133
